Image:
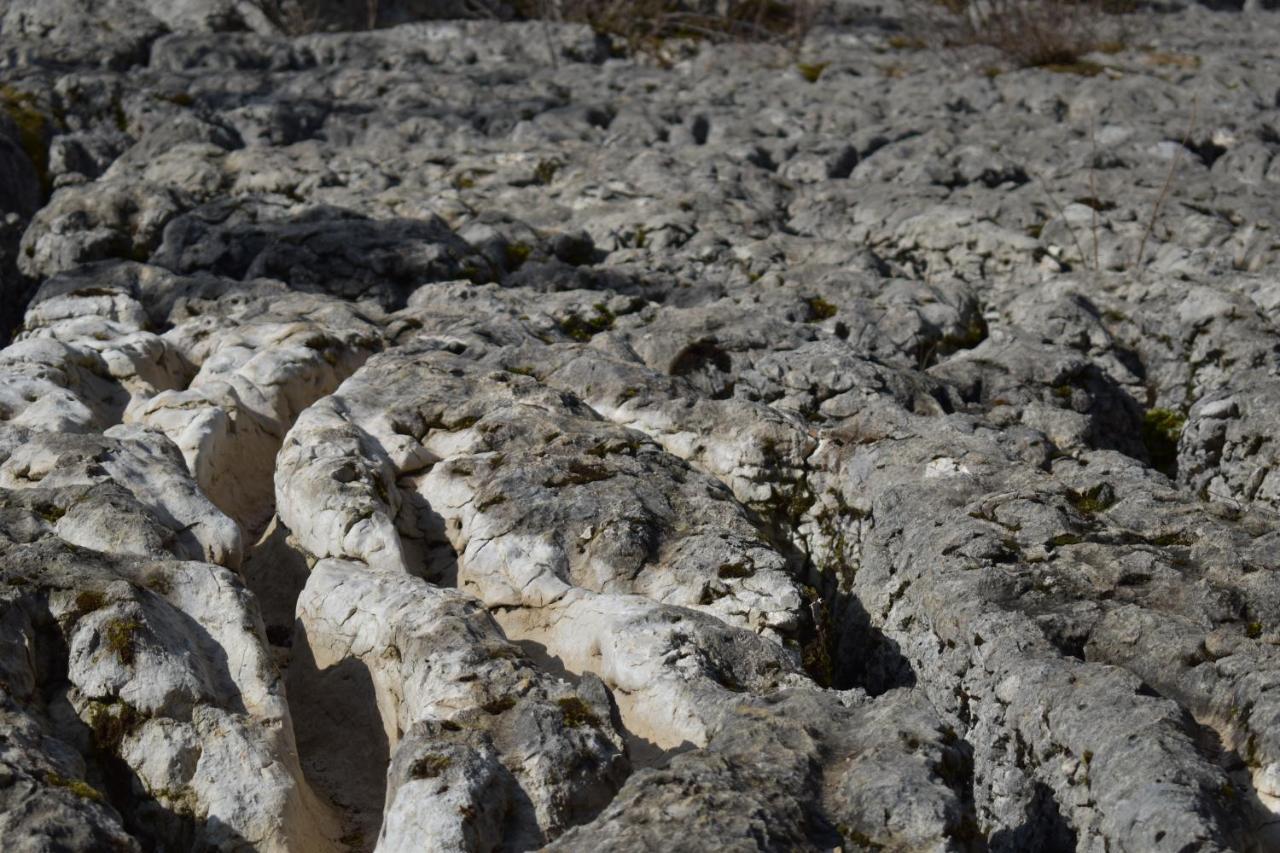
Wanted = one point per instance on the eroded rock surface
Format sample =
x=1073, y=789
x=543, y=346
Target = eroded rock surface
x=460, y=435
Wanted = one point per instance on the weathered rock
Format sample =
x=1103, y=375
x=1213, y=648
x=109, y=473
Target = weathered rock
x=439, y=666
x=854, y=447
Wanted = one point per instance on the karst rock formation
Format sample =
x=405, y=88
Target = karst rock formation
x=472, y=433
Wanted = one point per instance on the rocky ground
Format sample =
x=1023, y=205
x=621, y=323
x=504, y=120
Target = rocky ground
x=460, y=436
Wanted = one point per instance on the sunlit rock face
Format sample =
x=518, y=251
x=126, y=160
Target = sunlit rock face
x=468, y=434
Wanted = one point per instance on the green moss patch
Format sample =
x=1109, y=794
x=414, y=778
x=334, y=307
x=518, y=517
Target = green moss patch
x=819, y=309
x=33, y=129
x=812, y=71
x=110, y=723
x=1161, y=429
x=76, y=786
x=577, y=713
x=430, y=766
x=585, y=328
x=120, y=635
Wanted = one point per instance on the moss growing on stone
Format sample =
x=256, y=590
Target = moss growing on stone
x=1093, y=500
x=1161, y=429
x=50, y=512
x=819, y=309
x=497, y=706
x=89, y=601
x=818, y=639
x=735, y=570
x=430, y=766
x=76, y=786
x=585, y=328
x=579, y=473
x=110, y=723
x=974, y=332
x=33, y=129
x=812, y=71
x=119, y=635
x=517, y=254
x=158, y=582
x=577, y=713
x=545, y=171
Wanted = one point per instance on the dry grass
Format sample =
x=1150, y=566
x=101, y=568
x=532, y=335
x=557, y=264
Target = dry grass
x=303, y=17
x=1045, y=33
x=641, y=25
x=645, y=24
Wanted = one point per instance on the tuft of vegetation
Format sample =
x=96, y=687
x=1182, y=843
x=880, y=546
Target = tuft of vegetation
x=516, y=254
x=739, y=569
x=34, y=129
x=51, y=513
x=1161, y=429
x=585, y=328
x=110, y=723
x=1094, y=500
x=76, y=786
x=119, y=635
x=430, y=766
x=812, y=71
x=497, y=706
x=819, y=309
x=577, y=713
x=578, y=473
x=158, y=582
x=1051, y=34
x=89, y=601
x=817, y=641
x=545, y=172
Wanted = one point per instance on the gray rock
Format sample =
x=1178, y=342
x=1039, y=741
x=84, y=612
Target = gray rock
x=848, y=447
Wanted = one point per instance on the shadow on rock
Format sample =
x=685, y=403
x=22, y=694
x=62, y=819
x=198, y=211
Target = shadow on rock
x=1045, y=828
x=322, y=250
x=342, y=745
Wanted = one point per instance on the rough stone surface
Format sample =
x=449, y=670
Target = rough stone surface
x=457, y=434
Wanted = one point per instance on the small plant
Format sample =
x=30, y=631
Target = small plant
x=819, y=309
x=812, y=71
x=545, y=171
x=583, y=329
x=110, y=723
x=430, y=766
x=1161, y=429
x=516, y=254
x=76, y=786
x=34, y=129
x=1093, y=501
x=89, y=601
x=577, y=713
x=119, y=636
